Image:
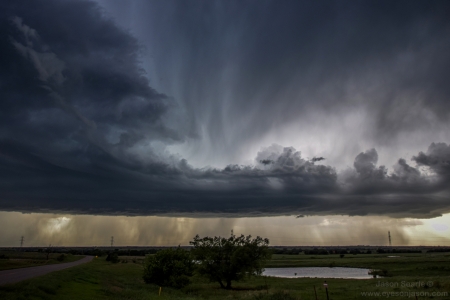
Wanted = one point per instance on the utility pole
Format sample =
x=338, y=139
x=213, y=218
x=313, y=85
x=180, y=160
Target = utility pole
x=49, y=249
x=232, y=232
x=21, y=241
x=389, y=235
x=112, y=241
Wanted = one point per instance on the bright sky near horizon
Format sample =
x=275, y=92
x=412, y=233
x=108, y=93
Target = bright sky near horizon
x=40, y=230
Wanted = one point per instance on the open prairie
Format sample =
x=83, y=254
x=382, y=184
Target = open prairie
x=426, y=275
x=14, y=259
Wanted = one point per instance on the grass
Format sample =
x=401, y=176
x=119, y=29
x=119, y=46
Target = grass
x=103, y=280
x=14, y=260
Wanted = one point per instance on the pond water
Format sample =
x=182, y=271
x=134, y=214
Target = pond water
x=350, y=273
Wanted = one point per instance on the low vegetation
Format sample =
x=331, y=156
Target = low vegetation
x=218, y=259
x=169, y=268
x=103, y=280
x=16, y=259
x=113, y=257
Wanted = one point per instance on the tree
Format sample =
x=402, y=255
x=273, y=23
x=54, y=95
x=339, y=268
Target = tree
x=170, y=267
x=224, y=260
x=113, y=257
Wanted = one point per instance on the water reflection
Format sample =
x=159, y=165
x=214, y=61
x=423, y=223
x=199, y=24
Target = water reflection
x=319, y=272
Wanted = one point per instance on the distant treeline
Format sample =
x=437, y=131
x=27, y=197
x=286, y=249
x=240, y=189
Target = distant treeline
x=97, y=251
x=439, y=250
x=381, y=250
x=142, y=251
x=120, y=252
x=319, y=251
x=354, y=251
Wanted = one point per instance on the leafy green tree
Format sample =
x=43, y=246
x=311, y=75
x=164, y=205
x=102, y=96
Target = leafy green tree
x=224, y=260
x=170, y=267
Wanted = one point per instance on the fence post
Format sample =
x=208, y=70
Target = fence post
x=326, y=288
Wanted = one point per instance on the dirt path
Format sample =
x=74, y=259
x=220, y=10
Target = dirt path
x=16, y=275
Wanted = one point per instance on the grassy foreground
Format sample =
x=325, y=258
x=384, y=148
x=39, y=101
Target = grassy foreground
x=103, y=280
x=14, y=260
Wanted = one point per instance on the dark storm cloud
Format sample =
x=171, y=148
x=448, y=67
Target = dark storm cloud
x=281, y=61
x=366, y=178
x=315, y=159
x=437, y=158
x=81, y=128
x=62, y=62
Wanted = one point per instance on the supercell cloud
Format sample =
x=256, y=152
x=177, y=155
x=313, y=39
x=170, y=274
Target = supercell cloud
x=180, y=108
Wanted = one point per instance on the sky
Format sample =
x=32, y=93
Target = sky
x=241, y=113
x=43, y=229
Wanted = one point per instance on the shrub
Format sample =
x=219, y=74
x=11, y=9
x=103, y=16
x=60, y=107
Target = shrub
x=113, y=257
x=61, y=257
x=382, y=272
x=169, y=267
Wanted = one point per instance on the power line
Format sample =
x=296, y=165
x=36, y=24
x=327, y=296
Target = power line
x=389, y=235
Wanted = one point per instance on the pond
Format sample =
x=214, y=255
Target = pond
x=350, y=273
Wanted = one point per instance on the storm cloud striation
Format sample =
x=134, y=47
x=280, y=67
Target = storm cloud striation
x=97, y=118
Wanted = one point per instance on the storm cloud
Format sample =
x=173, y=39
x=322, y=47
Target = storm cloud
x=188, y=116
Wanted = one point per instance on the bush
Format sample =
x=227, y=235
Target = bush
x=169, y=267
x=113, y=257
x=61, y=257
x=382, y=272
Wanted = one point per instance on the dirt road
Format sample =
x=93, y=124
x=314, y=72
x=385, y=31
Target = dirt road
x=16, y=275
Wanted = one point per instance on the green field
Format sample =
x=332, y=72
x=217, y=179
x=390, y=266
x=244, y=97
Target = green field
x=15, y=259
x=103, y=280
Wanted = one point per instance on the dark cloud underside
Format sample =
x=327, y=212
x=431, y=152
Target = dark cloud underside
x=82, y=129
